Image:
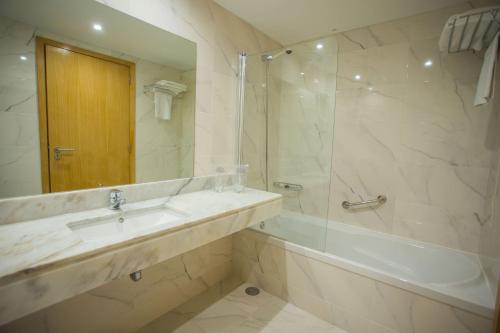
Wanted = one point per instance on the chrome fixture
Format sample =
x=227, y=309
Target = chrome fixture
x=488, y=15
x=116, y=199
x=136, y=276
x=381, y=199
x=288, y=186
x=269, y=57
x=241, y=106
x=58, y=151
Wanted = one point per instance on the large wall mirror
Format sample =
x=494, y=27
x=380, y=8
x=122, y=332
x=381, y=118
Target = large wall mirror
x=91, y=97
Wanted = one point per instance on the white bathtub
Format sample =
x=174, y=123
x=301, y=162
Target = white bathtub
x=446, y=275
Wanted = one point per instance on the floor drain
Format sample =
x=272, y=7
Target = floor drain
x=252, y=291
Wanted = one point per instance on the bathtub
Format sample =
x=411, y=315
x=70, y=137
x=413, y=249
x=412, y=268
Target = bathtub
x=442, y=274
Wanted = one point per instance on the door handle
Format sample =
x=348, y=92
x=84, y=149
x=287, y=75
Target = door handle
x=58, y=151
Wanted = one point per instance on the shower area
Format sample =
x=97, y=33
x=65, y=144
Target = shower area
x=379, y=117
x=289, y=111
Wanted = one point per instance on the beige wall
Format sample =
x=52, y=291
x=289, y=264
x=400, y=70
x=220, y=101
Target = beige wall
x=403, y=130
x=219, y=36
x=301, y=114
x=416, y=137
x=125, y=306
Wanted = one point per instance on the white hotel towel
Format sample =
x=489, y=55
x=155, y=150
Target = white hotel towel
x=486, y=84
x=163, y=105
x=164, y=91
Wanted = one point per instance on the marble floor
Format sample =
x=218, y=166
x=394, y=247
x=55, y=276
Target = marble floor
x=240, y=313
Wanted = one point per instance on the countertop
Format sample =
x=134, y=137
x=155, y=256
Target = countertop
x=27, y=247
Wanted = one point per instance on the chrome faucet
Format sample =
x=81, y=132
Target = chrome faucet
x=116, y=199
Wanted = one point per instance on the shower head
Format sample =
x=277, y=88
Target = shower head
x=269, y=57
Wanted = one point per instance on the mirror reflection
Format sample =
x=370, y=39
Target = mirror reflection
x=86, y=102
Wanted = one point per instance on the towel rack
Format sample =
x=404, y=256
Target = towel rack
x=381, y=199
x=492, y=11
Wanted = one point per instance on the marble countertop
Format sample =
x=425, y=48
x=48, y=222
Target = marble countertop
x=31, y=246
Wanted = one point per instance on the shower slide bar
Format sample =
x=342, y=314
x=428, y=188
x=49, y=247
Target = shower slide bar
x=381, y=199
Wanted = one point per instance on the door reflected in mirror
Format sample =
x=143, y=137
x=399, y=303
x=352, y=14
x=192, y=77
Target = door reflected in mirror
x=92, y=98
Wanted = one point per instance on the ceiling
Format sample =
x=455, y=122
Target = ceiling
x=292, y=21
x=74, y=19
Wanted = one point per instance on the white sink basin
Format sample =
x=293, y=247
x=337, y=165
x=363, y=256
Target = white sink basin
x=127, y=224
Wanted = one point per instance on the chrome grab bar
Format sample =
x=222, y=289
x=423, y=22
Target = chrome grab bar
x=381, y=199
x=288, y=186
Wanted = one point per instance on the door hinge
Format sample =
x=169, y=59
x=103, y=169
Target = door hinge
x=129, y=148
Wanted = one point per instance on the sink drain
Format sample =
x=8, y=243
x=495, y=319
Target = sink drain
x=252, y=291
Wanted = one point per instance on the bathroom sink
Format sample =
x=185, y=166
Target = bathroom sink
x=127, y=224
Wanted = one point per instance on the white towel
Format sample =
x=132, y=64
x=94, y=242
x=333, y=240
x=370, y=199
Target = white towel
x=163, y=105
x=486, y=84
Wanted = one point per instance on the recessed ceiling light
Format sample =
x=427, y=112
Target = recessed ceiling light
x=319, y=46
x=302, y=73
x=428, y=63
x=23, y=58
x=357, y=77
x=97, y=27
x=370, y=88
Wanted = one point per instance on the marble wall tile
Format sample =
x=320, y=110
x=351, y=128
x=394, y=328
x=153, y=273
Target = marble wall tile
x=353, y=302
x=401, y=129
x=124, y=306
x=299, y=123
x=19, y=145
x=27, y=208
x=162, y=146
x=411, y=132
x=219, y=36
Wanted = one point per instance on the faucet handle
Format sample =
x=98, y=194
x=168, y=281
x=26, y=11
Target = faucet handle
x=116, y=199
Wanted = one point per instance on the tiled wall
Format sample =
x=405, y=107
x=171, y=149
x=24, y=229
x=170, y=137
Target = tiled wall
x=350, y=301
x=411, y=132
x=125, y=306
x=403, y=129
x=301, y=88
x=219, y=36
x=19, y=140
x=163, y=148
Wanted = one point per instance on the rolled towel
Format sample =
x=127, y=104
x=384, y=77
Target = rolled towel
x=486, y=84
x=163, y=105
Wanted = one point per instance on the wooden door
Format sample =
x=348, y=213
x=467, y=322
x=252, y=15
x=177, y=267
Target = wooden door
x=88, y=116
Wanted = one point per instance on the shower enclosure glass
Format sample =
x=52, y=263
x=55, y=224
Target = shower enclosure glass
x=288, y=131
